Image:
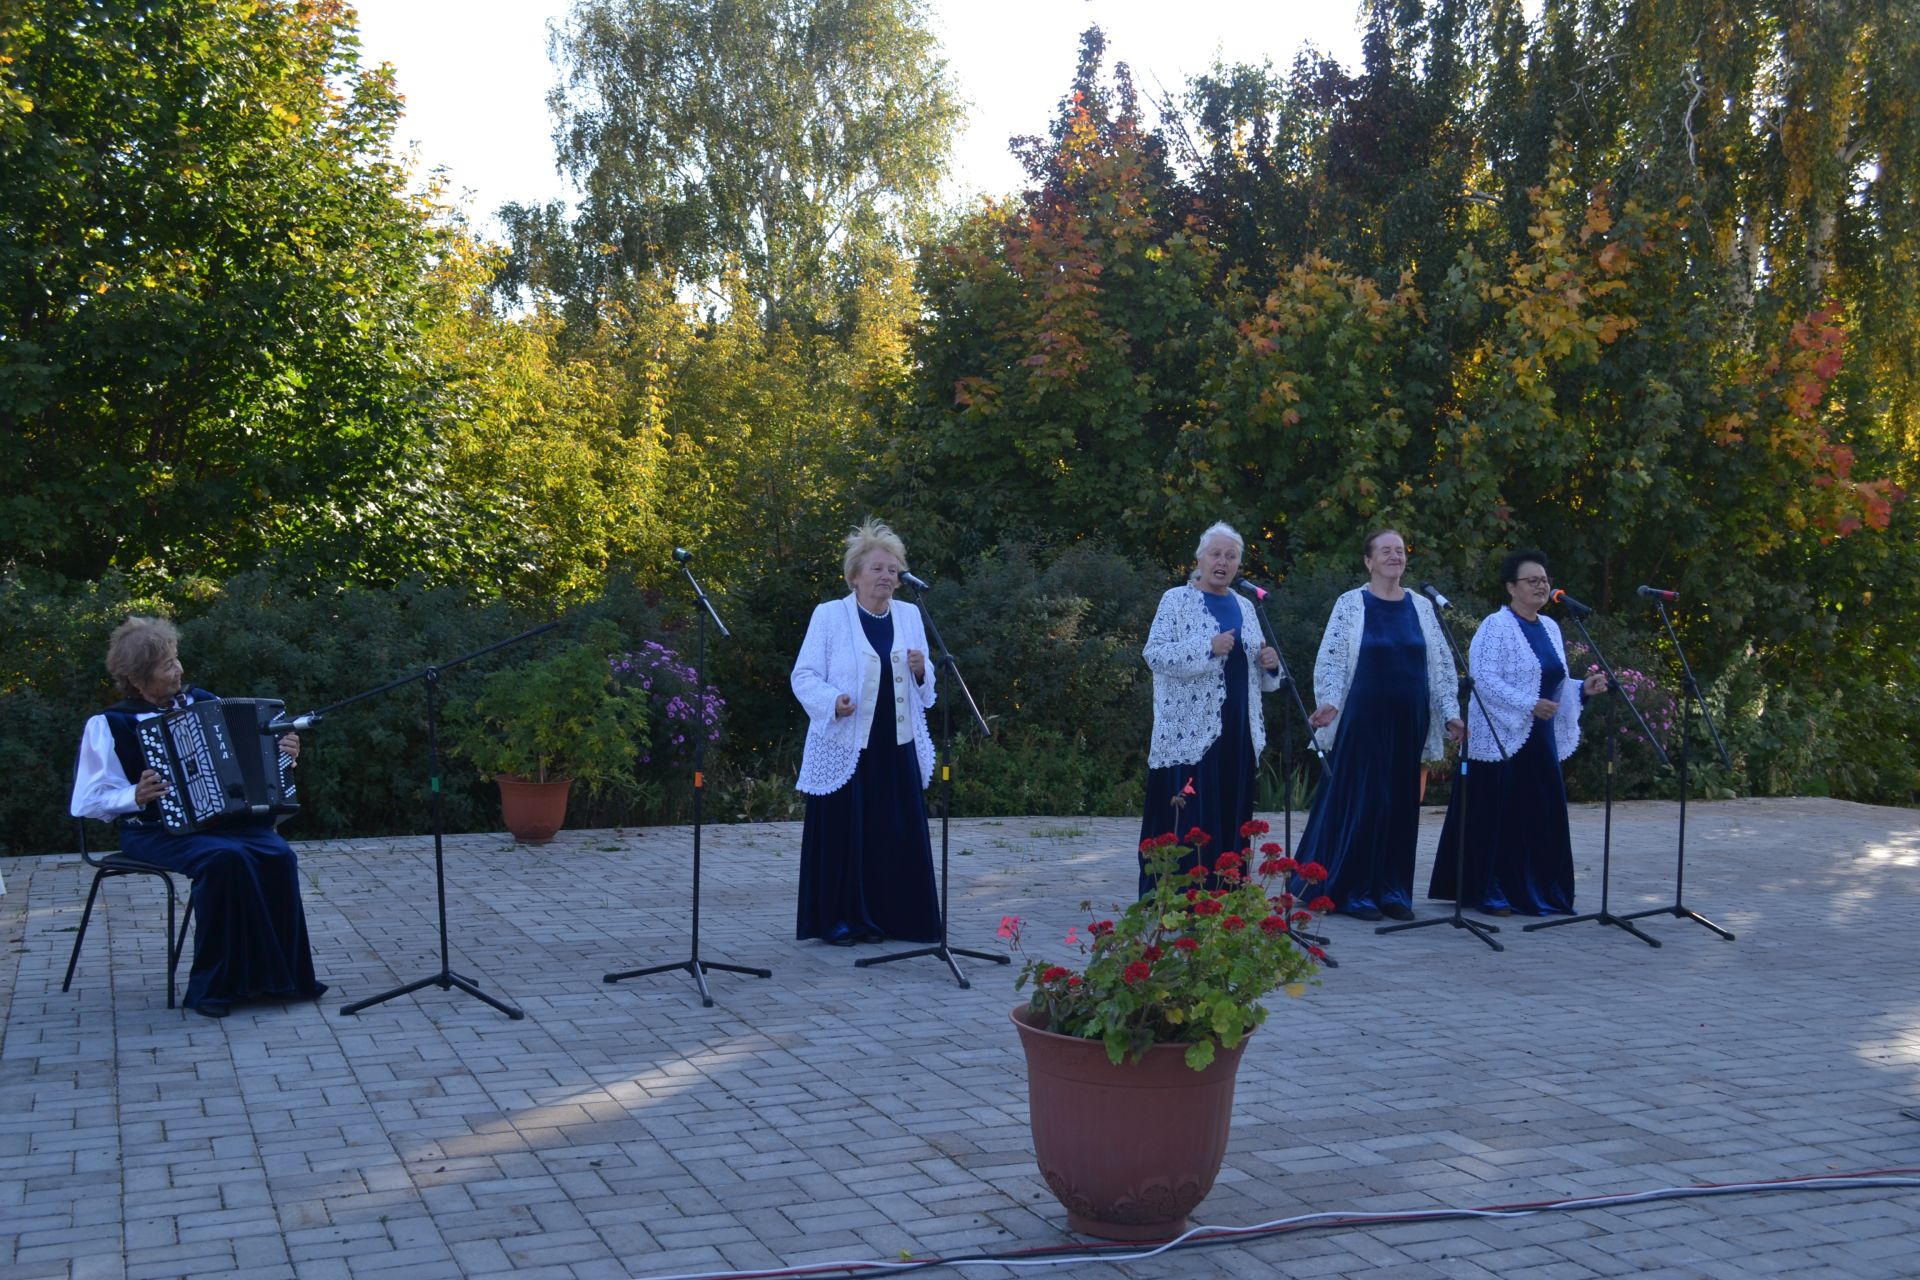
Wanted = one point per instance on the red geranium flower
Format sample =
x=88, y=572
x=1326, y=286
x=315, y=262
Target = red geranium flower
x=1138, y=971
x=1271, y=849
x=1073, y=979
x=1198, y=871
x=1253, y=827
x=1166, y=839
x=1147, y=845
x=1316, y=952
x=1312, y=872
x=1196, y=837
x=1151, y=954
x=1233, y=924
x=1206, y=907
x=1321, y=903
x=1187, y=944
x=1100, y=928
x=1227, y=862
x=1302, y=917
x=1054, y=974
x=1274, y=924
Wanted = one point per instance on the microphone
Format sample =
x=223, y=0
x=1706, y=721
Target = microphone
x=1432, y=593
x=1259, y=593
x=913, y=582
x=682, y=554
x=1655, y=593
x=1573, y=606
x=291, y=724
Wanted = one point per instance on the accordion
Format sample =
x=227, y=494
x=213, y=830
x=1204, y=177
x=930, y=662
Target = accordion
x=221, y=767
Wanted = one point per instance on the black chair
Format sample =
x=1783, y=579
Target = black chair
x=109, y=865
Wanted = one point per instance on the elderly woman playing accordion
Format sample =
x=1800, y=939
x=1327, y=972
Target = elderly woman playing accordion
x=250, y=929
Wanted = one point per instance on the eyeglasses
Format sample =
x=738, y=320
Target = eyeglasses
x=1535, y=581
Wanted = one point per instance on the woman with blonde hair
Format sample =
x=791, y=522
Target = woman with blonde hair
x=866, y=864
x=250, y=929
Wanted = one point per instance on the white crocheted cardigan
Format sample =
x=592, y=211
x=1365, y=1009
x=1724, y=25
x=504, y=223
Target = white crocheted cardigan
x=1340, y=654
x=835, y=658
x=1506, y=672
x=1189, y=682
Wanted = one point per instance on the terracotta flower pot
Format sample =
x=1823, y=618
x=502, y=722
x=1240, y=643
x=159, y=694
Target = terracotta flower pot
x=1128, y=1149
x=533, y=811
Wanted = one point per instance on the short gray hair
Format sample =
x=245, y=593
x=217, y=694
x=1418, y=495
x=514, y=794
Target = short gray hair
x=138, y=646
x=1218, y=529
x=868, y=537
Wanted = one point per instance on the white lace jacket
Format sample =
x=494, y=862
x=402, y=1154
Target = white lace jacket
x=835, y=658
x=1506, y=672
x=1340, y=654
x=1189, y=682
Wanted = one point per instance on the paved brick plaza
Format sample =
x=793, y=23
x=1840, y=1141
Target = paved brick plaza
x=835, y=1113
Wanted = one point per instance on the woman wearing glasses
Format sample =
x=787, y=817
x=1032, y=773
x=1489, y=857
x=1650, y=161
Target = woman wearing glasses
x=1387, y=701
x=1519, y=856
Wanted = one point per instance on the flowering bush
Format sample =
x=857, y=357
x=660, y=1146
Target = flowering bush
x=1190, y=962
x=681, y=710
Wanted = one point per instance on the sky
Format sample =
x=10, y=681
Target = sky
x=476, y=74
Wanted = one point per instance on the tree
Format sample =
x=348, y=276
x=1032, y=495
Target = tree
x=209, y=277
x=791, y=141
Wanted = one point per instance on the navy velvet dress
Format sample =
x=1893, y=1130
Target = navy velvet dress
x=866, y=864
x=1366, y=815
x=250, y=929
x=1224, y=779
x=1519, y=854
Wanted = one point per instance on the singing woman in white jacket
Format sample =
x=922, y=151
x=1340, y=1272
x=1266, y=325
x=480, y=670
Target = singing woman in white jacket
x=1387, y=701
x=1210, y=665
x=866, y=864
x=1525, y=721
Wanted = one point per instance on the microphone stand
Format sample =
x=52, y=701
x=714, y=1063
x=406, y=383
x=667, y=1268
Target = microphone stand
x=1469, y=693
x=446, y=979
x=1605, y=916
x=693, y=964
x=1286, y=749
x=951, y=669
x=1679, y=909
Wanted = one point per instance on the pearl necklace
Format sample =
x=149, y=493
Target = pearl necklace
x=870, y=613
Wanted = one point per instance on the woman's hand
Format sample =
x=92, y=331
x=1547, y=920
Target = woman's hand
x=843, y=706
x=1323, y=715
x=1270, y=658
x=290, y=746
x=150, y=788
x=917, y=663
x=1456, y=731
x=1223, y=642
x=1595, y=684
x=1545, y=709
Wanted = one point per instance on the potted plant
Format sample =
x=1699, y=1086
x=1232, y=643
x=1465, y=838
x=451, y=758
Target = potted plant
x=542, y=726
x=1131, y=1059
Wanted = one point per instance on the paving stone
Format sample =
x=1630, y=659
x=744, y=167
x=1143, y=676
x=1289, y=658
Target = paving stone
x=834, y=1113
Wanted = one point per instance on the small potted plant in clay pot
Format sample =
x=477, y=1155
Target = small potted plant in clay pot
x=540, y=727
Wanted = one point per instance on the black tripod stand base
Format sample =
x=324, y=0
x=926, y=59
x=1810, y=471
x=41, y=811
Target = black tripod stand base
x=695, y=967
x=446, y=980
x=1484, y=932
x=1599, y=917
x=942, y=950
x=1680, y=912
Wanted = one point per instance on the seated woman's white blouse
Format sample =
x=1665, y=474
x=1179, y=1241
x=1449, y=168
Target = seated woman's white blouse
x=100, y=786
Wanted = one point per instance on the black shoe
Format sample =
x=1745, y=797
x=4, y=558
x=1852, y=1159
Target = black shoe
x=1496, y=911
x=1362, y=913
x=1397, y=911
x=872, y=937
x=211, y=1008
